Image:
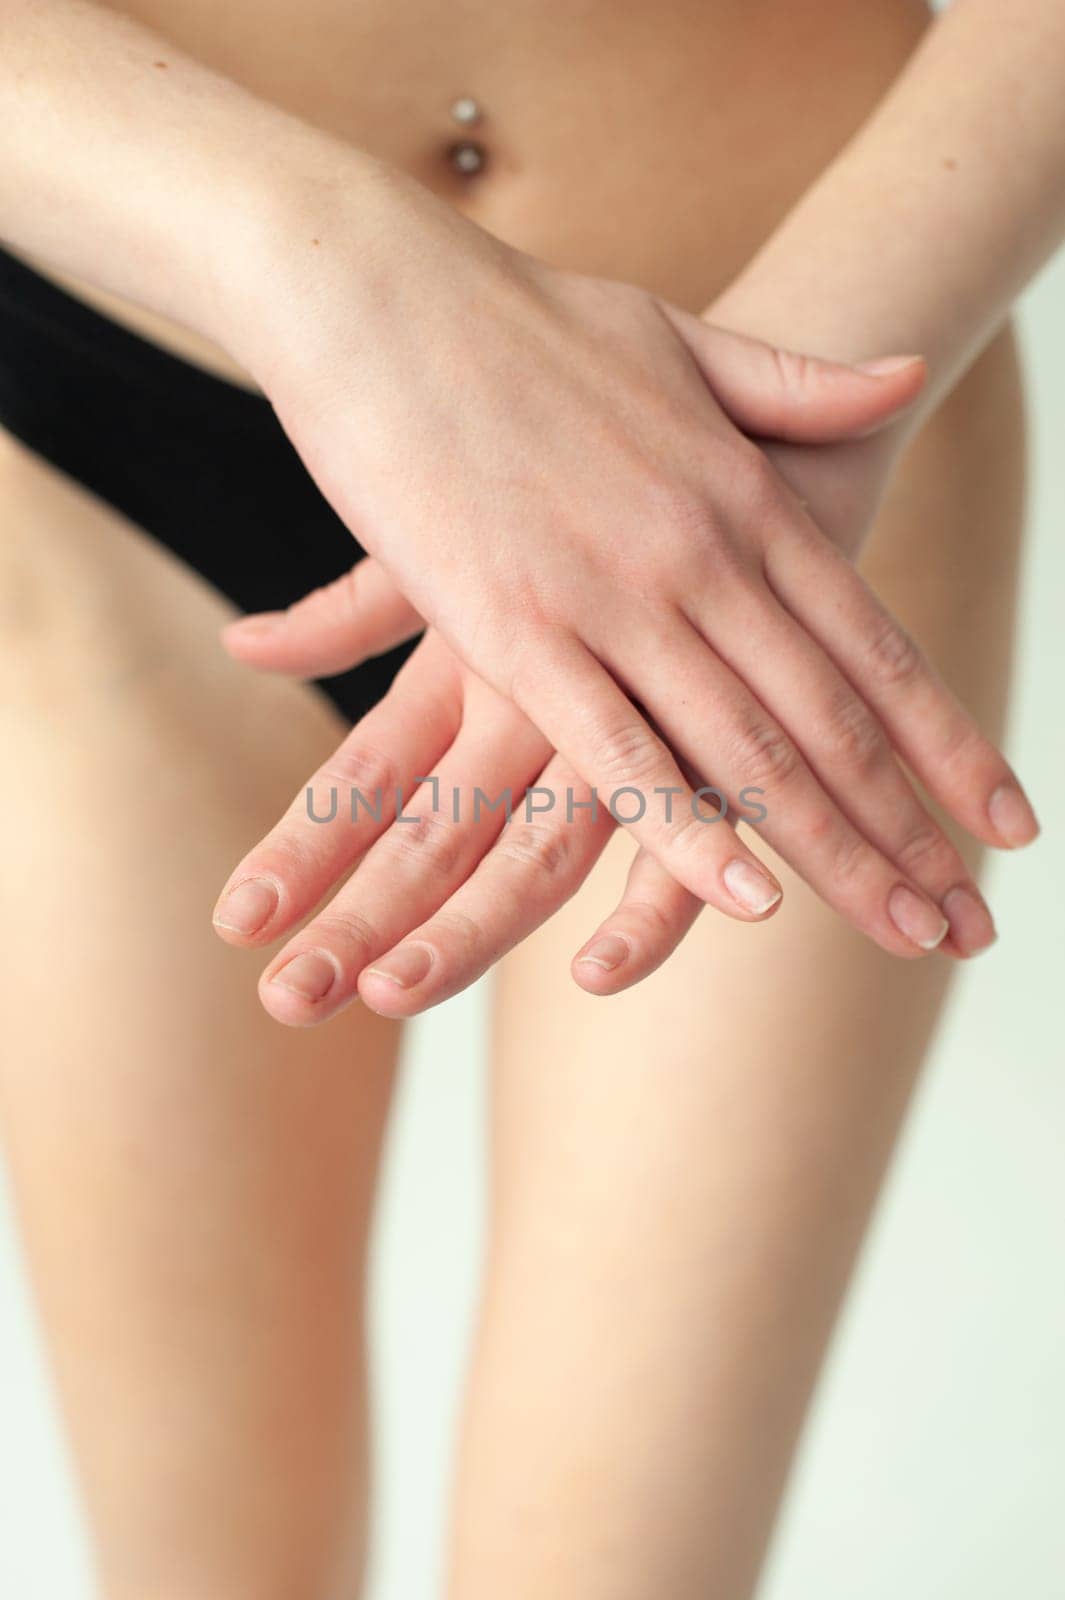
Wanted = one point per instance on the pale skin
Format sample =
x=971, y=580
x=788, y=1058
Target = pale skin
x=638, y=542
x=765, y=1118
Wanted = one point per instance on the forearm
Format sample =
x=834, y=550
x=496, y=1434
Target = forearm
x=929, y=223
x=127, y=163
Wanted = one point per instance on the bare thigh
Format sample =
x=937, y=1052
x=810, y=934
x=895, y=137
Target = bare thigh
x=683, y=1173
x=194, y=1181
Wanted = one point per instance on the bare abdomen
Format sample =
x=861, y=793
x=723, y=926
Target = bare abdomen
x=657, y=141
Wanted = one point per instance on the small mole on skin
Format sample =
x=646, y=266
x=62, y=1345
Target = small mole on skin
x=162, y=65
x=950, y=163
x=316, y=241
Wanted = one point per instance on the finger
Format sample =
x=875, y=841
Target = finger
x=534, y=867
x=712, y=719
x=595, y=727
x=780, y=394
x=848, y=750
x=331, y=629
x=925, y=722
x=646, y=927
x=413, y=868
x=535, y=864
x=348, y=803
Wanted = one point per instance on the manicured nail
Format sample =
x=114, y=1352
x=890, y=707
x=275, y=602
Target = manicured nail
x=262, y=622
x=310, y=975
x=885, y=366
x=750, y=887
x=971, y=926
x=607, y=952
x=1011, y=816
x=404, y=967
x=921, y=922
x=248, y=907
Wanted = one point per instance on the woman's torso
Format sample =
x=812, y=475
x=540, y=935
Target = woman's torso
x=657, y=141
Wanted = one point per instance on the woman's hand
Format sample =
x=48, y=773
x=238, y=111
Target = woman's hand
x=437, y=898
x=551, y=467
x=444, y=885
x=436, y=901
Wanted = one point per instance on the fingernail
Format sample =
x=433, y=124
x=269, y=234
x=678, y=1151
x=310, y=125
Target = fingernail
x=971, y=926
x=921, y=922
x=750, y=887
x=262, y=622
x=406, y=966
x=884, y=366
x=608, y=952
x=1011, y=816
x=248, y=907
x=310, y=975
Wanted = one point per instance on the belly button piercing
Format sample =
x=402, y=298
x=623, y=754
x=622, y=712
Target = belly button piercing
x=467, y=156
x=466, y=110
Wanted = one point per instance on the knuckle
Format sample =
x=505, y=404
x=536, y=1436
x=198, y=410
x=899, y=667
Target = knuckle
x=360, y=766
x=692, y=838
x=650, y=918
x=764, y=755
x=290, y=856
x=626, y=754
x=517, y=606
x=757, y=486
x=821, y=826
x=894, y=658
x=700, y=531
x=762, y=487
x=544, y=851
x=925, y=847
x=346, y=933
x=850, y=858
x=454, y=932
x=525, y=651
x=309, y=606
x=853, y=738
x=791, y=369
x=434, y=843
x=679, y=506
x=349, y=593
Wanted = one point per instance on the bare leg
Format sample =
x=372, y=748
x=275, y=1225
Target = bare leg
x=683, y=1173
x=194, y=1181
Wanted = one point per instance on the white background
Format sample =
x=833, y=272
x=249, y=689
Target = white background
x=935, y=1461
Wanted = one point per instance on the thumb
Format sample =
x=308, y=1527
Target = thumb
x=331, y=629
x=779, y=394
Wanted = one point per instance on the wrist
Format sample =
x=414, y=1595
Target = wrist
x=279, y=227
x=335, y=248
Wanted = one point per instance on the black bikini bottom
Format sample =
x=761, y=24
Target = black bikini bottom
x=200, y=464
